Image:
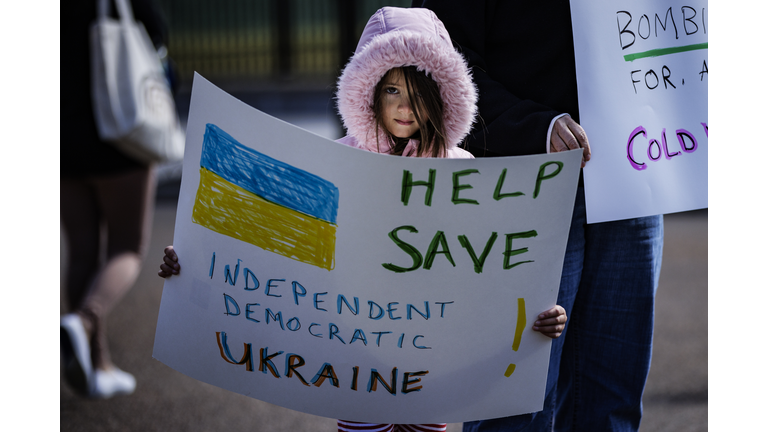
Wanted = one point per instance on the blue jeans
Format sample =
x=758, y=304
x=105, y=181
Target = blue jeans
x=599, y=365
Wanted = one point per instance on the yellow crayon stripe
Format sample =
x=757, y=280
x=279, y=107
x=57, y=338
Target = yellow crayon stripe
x=518, y=333
x=235, y=212
x=520, y=323
x=510, y=370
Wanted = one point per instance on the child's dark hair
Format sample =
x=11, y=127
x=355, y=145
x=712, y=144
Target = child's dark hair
x=425, y=101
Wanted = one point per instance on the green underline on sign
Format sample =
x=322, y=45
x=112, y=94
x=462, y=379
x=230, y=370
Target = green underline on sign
x=665, y=51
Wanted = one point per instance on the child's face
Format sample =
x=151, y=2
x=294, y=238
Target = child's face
x=397, y=112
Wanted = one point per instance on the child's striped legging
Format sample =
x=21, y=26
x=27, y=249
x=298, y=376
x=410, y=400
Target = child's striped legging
x=349, y=426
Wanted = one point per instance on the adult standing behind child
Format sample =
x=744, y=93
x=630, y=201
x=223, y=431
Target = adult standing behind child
x=406, y=92
x=523, y=62
x=107, y=199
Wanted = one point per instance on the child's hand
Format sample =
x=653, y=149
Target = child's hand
x=551, y=323
x=170, y=265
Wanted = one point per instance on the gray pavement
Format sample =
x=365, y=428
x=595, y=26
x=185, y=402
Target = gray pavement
x=675, y=398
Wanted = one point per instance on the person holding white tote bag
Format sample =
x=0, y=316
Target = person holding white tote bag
x=106, y=210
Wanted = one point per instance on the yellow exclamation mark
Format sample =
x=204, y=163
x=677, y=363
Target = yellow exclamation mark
x=518, y=332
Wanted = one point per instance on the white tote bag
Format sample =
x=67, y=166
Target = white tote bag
x=132, y=101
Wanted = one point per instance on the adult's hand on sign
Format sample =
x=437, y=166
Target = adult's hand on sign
x=170, y=265
x=569, y=135
x=551, y=322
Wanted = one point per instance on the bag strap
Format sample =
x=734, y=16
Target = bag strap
x=124, y=11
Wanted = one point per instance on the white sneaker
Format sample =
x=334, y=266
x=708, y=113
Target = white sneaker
x=111, y=382
x=76, y=353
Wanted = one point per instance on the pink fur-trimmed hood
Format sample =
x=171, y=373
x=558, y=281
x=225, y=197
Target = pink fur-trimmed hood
x=396, y=37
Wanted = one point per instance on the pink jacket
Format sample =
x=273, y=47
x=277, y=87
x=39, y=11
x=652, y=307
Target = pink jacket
x=397, y=37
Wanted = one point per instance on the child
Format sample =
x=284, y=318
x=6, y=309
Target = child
x=406, y=92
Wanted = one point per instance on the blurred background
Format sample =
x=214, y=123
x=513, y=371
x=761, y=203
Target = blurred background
x=279, y=56
x=283, y=57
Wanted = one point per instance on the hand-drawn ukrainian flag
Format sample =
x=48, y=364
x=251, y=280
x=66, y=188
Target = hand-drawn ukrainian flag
x=252, y=197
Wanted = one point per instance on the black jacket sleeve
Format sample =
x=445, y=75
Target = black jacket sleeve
x=512, y=66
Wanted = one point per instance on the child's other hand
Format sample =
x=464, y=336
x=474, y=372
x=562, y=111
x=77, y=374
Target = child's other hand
x=551, y=323
x=170, y=265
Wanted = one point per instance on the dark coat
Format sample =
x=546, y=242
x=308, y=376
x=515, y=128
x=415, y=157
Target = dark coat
x=522, y=60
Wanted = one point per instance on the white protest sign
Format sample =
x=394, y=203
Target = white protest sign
x=642, y=70
x=360, y=286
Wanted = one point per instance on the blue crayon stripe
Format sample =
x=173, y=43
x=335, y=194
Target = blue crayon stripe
x=268, y=178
